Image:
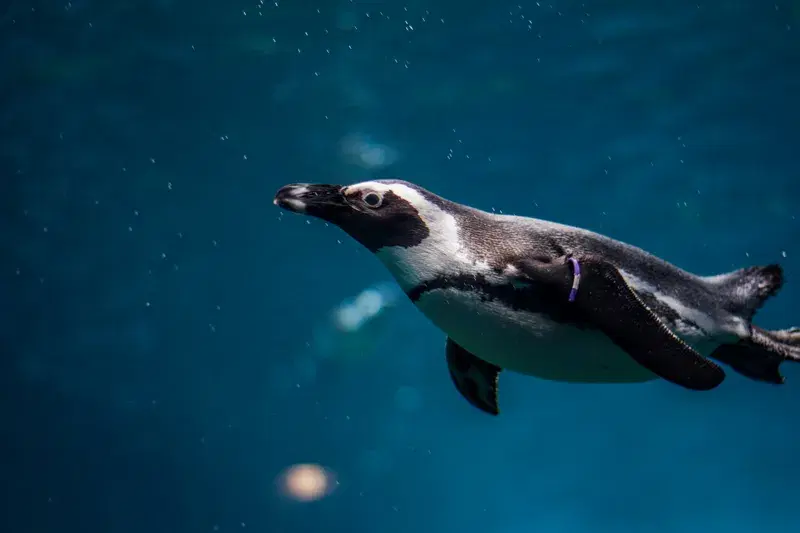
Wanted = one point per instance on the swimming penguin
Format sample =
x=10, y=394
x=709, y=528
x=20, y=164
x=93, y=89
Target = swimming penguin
x=550, y=300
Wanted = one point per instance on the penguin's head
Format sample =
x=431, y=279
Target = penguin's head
x=378, y=214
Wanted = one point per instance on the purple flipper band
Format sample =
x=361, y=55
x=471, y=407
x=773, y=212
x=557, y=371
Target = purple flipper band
x=576, y=280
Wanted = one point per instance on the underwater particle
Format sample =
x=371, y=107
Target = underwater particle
x=306, y=482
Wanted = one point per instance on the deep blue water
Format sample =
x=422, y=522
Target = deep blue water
x=168, y=346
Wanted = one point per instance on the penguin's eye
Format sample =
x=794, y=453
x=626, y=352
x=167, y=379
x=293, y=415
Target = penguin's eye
x=372, y=199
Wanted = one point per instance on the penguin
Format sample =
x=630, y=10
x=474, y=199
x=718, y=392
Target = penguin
x=553, y=301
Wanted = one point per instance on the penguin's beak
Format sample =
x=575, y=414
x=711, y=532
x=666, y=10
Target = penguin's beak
x=318, y=200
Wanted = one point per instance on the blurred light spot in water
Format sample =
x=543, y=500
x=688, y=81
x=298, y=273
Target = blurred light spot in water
x=355, y=327
x=361, y=151
x=306, y=482
x=351, y=315
x=368, y=304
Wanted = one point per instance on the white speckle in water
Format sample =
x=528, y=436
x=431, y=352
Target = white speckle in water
x=783, y=253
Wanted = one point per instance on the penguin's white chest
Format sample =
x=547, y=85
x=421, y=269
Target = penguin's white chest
x=528, y=343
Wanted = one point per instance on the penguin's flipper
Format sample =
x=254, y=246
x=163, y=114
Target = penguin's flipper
x=606, y=301
x=474, y=378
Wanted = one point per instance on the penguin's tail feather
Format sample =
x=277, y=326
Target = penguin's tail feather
x=760, y=356
x=748, y=288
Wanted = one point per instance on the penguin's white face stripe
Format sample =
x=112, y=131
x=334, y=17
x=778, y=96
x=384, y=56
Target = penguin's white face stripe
x=419, y=202
x=440, y=253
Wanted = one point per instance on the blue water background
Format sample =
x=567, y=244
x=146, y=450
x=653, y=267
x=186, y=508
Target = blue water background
x=167, y=348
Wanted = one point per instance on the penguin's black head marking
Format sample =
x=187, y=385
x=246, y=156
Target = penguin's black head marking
x=378, y=214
